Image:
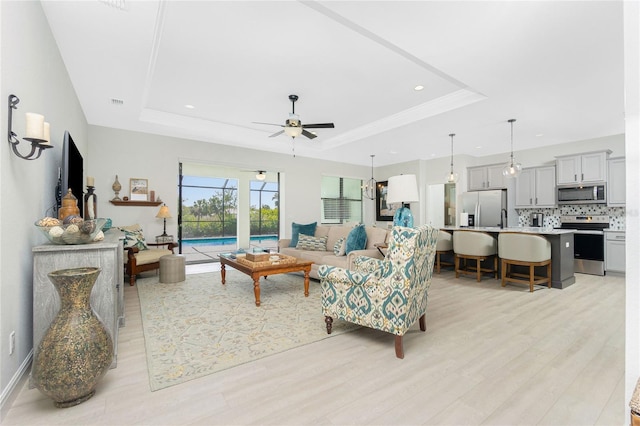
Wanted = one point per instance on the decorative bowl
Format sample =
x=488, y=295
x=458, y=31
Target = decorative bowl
x=74, y=233
x=107, y=224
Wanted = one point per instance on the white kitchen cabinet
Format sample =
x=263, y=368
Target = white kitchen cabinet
x=486, y=177
x=616, y=183
x=536, y=187
x=582, y=168
x=614, y=251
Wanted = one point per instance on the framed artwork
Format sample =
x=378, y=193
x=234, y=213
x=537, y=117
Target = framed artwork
x=138, y=189
x=384, y=211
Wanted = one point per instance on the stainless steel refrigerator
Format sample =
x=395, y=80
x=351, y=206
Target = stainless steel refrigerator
x=486, y=207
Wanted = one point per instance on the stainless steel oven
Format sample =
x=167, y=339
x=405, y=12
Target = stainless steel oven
x=588, y=243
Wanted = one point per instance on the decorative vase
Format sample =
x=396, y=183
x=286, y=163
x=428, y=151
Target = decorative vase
x=69, y=206
x=77, y=350
x=90, y=204
x=116, y=188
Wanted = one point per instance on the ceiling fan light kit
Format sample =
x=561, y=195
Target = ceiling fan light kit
x=512, y=169
x=293, y=127
x=293, y=131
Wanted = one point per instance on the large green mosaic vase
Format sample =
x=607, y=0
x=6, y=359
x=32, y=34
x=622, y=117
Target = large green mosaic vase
x=77, y=350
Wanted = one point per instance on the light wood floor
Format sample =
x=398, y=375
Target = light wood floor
x=491, y=355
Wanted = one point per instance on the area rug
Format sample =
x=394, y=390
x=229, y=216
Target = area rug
x=199, y=326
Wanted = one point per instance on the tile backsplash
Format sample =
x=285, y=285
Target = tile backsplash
x=552, y=216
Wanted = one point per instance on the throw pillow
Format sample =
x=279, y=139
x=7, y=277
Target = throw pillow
x=134, y=238
x=356, y=240
x=297, y=229
x=339, y=247
x=307, y=242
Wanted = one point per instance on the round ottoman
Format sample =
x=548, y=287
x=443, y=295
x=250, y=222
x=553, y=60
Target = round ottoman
x=172, y=268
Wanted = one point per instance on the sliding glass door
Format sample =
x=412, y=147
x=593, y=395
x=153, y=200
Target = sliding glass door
x=222, y=210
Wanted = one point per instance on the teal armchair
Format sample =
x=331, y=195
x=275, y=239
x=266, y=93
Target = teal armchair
x=389, y=294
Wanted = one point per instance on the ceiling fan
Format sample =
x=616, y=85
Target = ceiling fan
x=293, y=126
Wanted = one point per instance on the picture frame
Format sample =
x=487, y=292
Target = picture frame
x=384, y=211
x=138, y=189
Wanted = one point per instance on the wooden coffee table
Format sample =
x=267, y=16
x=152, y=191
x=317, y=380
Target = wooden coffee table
x=263, y=271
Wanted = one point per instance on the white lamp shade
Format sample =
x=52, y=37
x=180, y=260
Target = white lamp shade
x=402, y=189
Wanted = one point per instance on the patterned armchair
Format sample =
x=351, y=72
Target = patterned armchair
x=388, y=295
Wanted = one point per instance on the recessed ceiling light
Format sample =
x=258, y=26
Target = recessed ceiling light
x=418, y=88
x=539, y=135
x=393, y=152
x=479, y=147
x=188, y=106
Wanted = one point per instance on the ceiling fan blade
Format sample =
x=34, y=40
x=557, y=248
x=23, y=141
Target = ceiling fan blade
x=276, y=134
x=319, y=126
x=268, y=124
x=308, y=134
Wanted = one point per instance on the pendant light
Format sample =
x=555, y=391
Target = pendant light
x=452, y=177
x=369, y=189
x=512, y=169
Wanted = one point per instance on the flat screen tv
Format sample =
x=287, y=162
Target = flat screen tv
x=72, y=170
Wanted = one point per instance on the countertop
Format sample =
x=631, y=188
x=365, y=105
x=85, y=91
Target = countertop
x=524, y=229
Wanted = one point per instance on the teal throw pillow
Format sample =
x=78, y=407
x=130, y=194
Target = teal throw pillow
x=356, y=240
x=297, y=229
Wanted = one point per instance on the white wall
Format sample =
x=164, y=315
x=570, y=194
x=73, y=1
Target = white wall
x=33, y=70
x=131, y=154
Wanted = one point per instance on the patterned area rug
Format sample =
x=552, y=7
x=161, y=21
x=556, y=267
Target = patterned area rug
x=197, y=327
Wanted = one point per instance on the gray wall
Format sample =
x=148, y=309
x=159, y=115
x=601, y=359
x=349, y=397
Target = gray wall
x=33, y=70
x=131, y=154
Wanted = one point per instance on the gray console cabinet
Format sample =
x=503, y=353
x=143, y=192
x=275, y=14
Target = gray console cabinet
x=106, y=296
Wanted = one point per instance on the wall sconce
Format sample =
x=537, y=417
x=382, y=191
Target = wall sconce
x=262, y=175
x=38, y=132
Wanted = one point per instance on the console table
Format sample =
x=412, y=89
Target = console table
x=107, y=296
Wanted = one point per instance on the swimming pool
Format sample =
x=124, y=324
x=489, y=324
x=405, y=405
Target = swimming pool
x=223, y=241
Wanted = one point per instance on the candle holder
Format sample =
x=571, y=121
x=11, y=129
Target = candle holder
x=37, y=144
x=90, y=204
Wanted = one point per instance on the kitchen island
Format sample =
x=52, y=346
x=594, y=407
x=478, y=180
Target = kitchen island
x=562, y=272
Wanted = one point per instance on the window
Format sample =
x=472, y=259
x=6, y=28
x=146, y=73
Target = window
x=209, y=207
x=264, y=207
x=341, y=200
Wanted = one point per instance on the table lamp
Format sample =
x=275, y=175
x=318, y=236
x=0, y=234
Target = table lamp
x=164, y=214
x=402, y=189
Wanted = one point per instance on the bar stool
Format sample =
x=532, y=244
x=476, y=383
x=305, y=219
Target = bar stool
x=478, y=246
x=517, y=248
x=443, y=246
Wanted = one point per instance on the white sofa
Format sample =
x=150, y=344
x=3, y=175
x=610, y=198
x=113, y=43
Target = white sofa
x=333, y=234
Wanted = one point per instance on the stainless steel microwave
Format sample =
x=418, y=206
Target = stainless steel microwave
x=582, y=194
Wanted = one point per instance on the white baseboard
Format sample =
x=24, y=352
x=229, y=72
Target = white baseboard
x=10, y=393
